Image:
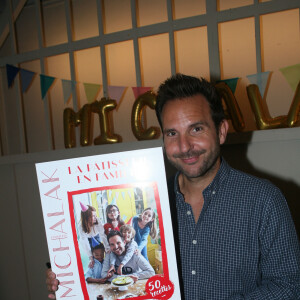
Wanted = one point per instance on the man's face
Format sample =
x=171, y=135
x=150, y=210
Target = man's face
x=117, y=245
x=98, y=254
x=191, y=141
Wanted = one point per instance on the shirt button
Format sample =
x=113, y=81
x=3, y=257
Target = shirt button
x=213, y=192
x=194, y=242
x=188, y=212
x=193, y=272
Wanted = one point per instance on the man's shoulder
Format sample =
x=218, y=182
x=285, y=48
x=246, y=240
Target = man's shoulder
x=243, y=185
x=238, y=177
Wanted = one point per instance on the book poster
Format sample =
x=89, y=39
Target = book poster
x=108, y=226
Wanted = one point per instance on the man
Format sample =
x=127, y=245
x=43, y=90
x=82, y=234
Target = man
x=236, y=236
x=137, y=267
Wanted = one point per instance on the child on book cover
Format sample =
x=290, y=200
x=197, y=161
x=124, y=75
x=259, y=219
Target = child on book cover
x=90, y=228
x=114, y=221
x=144, y=225
x=131, y=246
x=93, y=274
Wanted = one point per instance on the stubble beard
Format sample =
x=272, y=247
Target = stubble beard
x=206, y=167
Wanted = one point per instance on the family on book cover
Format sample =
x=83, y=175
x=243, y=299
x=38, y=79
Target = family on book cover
x=114, y=247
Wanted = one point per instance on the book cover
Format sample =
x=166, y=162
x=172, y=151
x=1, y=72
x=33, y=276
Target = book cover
x=122, y=196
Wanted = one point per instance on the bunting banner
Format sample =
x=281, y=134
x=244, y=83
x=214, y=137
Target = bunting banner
x=232, y=83
x=11, y=72
x=115, y=92
x=46, y=82
x=139, y=90
x=91, y=91
x=292, y=75
x=26, y=79
x=68, y=87
x=261, y=80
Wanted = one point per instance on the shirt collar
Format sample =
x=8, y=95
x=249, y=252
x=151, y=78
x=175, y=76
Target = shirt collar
x=217, y=181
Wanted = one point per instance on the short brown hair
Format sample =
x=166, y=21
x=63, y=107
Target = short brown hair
x=127, y=227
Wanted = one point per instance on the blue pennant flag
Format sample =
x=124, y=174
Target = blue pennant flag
x=26, y=79
x=68, y=88
x=11, y=72
x=261, y=80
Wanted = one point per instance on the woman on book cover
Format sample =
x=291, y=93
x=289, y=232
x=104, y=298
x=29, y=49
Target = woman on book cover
x=91, y=228
x=144, y=225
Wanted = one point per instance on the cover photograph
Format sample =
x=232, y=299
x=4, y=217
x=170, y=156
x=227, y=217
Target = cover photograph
x=108, y=226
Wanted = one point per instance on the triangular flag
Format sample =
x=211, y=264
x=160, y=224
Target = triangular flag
x=129, y=221
x=261, y=80
x=46, y=82
x=26, y=79
x=232, y=83
x=124, y=217
x=123, y=195
x=68, y=88
x=113, y=202
x=139, y=90
x=115, y=92
x=292, y=75
x=91, y=91
x=11, y=72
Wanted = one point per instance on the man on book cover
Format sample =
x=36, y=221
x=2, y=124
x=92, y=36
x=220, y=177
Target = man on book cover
x=136, y=268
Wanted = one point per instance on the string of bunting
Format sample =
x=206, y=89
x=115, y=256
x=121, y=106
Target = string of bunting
x=290, y=73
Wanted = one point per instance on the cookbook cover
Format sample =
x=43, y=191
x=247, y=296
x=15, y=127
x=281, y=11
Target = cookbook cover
x=108, y=226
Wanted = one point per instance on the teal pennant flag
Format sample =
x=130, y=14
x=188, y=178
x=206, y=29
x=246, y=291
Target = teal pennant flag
x=46, y=82
x=232, y=83
x=11, y=72
x=261, y=80
x=26, y=79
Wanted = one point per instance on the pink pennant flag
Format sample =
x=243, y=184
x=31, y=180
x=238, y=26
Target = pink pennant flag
x=115, y=92
x=139, y=90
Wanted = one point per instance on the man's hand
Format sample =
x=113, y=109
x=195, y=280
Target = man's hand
x=52, y=283
x=120, y=269
x=111, y=270
x=135, y=278
x=109, y=275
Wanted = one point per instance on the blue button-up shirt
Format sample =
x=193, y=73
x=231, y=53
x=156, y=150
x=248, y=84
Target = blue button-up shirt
x=244, y=245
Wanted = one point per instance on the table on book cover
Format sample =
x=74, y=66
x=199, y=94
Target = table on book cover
x=110, y=292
